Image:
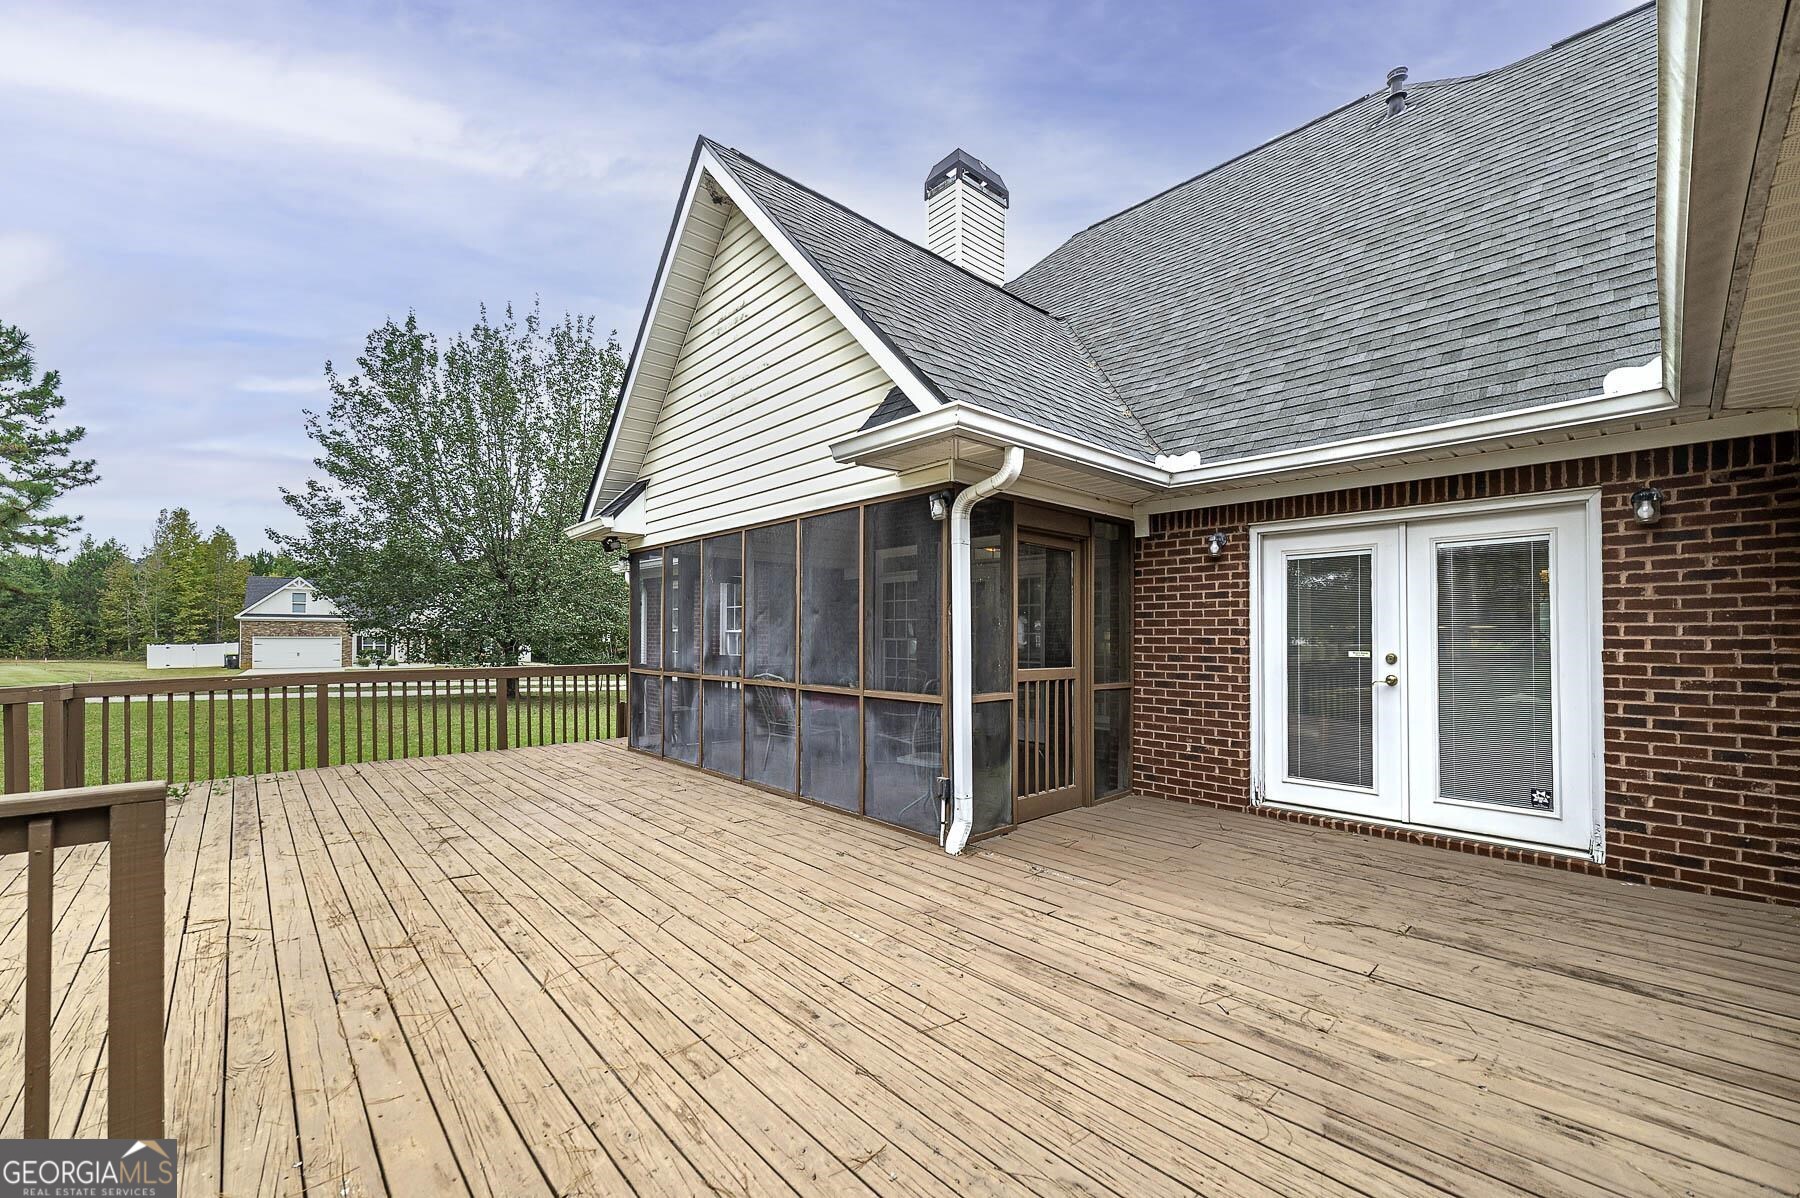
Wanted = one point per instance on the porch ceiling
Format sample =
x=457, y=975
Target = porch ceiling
x=580, y=970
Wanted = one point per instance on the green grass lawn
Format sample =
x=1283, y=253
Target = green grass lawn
x=16, y=672
x=221, y=736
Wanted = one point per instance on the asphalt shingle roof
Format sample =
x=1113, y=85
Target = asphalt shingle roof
x=1492, y=248
x=973, y=342
x=258, y=587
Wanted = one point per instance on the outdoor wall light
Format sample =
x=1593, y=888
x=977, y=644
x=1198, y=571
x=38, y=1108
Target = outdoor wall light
x=1646, y=505
x=940, y=505
x=611, y=544
x=1215, y=544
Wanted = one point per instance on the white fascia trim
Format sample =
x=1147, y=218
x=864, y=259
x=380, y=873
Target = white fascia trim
x=289, y=585
x=1001, y=431
x=910, y=382
x=629, y=389
x=1678, y=55
x=962, y=420
x=1545, y=418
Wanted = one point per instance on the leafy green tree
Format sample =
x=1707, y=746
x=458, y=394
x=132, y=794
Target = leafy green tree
x=450, y=472
x=81, y=586
x=59, y=631
x=122, y=608
x=37, y=465
x=226, y=573
x=268, y=563
x=27, y=581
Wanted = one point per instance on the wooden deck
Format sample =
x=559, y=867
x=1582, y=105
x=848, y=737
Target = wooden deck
x=572, y=970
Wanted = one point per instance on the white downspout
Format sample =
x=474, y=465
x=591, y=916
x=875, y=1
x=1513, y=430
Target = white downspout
x=962, y=651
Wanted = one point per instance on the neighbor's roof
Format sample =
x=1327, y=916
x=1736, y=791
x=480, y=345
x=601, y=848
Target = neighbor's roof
x=1490, y=249
x=257, y=588
x=970, y=340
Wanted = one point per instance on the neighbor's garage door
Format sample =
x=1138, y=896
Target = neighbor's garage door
x=296, y=653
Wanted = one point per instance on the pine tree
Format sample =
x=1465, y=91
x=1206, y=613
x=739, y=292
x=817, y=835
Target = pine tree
x=36, y=466
x=121, y=608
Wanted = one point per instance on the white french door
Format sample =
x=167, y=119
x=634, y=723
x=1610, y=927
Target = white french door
x=1439, y=671
x=1336, y=728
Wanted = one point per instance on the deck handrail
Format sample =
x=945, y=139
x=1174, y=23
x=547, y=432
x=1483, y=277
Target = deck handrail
x=433, y=709
x=130, y=818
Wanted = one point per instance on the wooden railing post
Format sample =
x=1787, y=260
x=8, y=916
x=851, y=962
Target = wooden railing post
x=54, y=730
x=39, y=868
x=74, y=726
x=15, y=741
x=134, y=1005
x=322, y=720
x=502, y=733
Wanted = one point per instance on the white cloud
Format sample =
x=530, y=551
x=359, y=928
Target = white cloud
x=265, y=385
x=26, y=262
x=285, y=96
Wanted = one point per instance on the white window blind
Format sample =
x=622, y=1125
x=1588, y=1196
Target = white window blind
x=1495, y=738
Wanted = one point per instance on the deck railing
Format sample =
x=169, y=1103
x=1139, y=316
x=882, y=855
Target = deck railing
x=194, y=728
x=130, y=819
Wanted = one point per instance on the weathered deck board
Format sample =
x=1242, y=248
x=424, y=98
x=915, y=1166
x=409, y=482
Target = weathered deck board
x=574, y=970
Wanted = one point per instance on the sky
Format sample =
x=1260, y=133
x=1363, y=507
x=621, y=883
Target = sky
x=202, y=203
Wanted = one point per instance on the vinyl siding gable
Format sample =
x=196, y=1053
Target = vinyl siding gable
x=766, y=379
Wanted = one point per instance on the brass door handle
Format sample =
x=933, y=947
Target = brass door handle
x=1390, y=680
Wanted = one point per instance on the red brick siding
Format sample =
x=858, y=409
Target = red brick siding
x=1701, y=657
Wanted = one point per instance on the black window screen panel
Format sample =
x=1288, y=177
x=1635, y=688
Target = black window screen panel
x=1330, y=703
x=681, y=607
x=646, y=609
x=1496, y=740
x=771, y=561
x=830, y=590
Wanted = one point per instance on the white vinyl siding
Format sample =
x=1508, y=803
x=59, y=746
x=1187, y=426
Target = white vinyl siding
x=968, y=228
x=766, y=379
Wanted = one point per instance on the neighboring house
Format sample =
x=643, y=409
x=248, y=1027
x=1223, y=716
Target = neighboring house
x=1393, y=475
x=287, y=625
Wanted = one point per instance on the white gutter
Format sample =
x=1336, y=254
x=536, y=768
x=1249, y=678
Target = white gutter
x=962, y=650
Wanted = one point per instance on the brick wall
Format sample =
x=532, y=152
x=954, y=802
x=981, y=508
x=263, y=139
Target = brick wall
x=250, y=629
x=1701, y=658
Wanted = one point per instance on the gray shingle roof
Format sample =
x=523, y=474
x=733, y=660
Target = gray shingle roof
x=257, y=588
x=970, y=340
x=1490, y=249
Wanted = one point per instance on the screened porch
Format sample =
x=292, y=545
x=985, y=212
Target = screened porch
x=811, y=657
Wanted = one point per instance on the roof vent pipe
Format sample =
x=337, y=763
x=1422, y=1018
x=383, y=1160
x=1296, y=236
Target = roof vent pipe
x=1396, y=97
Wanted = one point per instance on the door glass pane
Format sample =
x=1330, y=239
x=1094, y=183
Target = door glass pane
x=771, y=560
x=830, y=586
x=1112, y=602
x=905, y=758
x=725, y=604
x=900, y=619
x=1495, y=738
x=1046, y=607
x=831, y=750
x=681, y=741
x=990, y=594
x=769, y=728
x=724, y=749
x=646, y=712
x=1330, y=700
x=681, y=607
x=646, y=609
x=1112, y=745
x=991, y=731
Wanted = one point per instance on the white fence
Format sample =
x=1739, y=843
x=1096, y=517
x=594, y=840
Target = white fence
x=186, y=657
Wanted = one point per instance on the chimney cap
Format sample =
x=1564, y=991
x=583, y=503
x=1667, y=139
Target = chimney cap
x=1396, y=79
x=960, y=163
